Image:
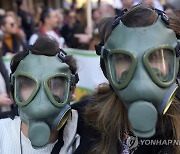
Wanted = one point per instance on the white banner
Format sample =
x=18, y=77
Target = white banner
x=89, y=71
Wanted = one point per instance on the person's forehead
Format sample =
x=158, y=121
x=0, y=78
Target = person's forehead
x=53, y=14
x=9, y=19
x=72, y=13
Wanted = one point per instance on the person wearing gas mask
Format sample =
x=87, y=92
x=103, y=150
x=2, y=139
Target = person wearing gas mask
x=43, y=80
x=139, y=55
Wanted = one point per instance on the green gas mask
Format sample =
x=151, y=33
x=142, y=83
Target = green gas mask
x=42, y=87
x=142, y=64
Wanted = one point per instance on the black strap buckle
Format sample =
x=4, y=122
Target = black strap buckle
x=62, y=54
x=118, y=18
x=99, y=49
x=163, y=15
x=121, y=13
x=74, y=79
x=11, y=78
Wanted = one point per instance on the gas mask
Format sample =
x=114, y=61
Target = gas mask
x=142, y=64
x=42, y=87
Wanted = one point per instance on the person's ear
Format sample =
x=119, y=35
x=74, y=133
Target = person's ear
x=46, y=20
x=72, y=93
x=3, y=28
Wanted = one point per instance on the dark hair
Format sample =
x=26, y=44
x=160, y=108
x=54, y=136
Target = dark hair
x=45, y=14
x=81, y=11
x=106, y=113
x=19, y=2
x=3, y=20
x=43, y=46
x=1, y=38
x=174, y=17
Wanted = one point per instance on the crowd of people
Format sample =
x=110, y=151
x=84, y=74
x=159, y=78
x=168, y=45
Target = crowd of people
x=18, y=29
x=139, y=52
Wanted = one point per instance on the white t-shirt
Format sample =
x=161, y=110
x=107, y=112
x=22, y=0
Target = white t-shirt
x=51, y=33
x=10, y=138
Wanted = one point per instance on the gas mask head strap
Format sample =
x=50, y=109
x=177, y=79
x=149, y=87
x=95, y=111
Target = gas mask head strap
x=163, y=15
x=62, y=55
x=74, y=77
x=100, y=50
x=74, y=80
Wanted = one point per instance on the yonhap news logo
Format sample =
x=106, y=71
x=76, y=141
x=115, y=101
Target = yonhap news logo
x=133, y=142
x=159, y=142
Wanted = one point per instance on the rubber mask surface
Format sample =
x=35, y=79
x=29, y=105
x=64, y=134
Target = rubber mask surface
x=142, y=68
x=41, y=90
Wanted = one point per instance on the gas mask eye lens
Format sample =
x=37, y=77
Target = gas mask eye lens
x=162, y=64
x=25, y=87
x=122, y=64
x=57, y=87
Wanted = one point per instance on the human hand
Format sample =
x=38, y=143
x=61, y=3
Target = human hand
x=5, y=100
x=8, y=55
x=89, y=30
x=83, y=38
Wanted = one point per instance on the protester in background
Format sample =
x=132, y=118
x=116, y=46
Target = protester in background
x=69, y=29
x=127, y=3
x=37, y=15
x=83, y=33
x=5, y=101
x=2, y=13
x=153, y=3
x=20, y=31
x=96, y=17
x=60, y=21
x=26, y=19
x=12, y=42
x=106, y=10
x=49, y=21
